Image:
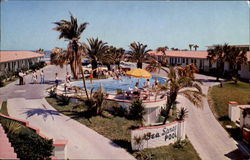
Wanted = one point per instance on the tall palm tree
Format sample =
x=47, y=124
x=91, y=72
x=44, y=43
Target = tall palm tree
x=195, y=47
x=216, y=54
x=163, y=51
x=190, y=46
x=235, y=57
x=114, y=55
x=71, y=31
x=95, y=50
x=138, y=53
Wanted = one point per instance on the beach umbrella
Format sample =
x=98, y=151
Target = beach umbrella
x=139, y=73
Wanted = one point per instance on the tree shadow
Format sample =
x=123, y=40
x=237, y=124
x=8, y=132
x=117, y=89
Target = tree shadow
x=87, y=114
x=41, y=112
x=224, y=118
x=120, y=143
x=237, y=155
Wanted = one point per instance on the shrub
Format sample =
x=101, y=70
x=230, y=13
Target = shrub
x=31, y=146
x=1, y=80
x=65, y=99
x=179, y=144
x=137, y=110
x=52, y=93
x=27, y=144
x=182, y=113
x=118, y=111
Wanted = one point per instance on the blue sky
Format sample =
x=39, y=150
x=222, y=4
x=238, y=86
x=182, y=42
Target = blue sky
x=27, y=25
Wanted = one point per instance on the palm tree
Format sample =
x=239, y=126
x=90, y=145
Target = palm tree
x=58, y=56
x=235, y=57
x=71, y=31
x=114, y=55
x=163, y=51
x=188, y=70
x=180, y=85
x=195, y=47
x=177, y=84
x=96, y=102
x=138, y=53
x=40, y=50
x=190, y=46
x=216, y=54
x=95, y=51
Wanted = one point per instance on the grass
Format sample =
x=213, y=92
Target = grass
x=169, y=152
x=117, y=129
x=4, y=109
x=219, y=98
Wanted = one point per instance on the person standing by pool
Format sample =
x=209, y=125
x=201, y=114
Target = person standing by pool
x=91, y=76
x=56, y=79
x=67, y=77
x=42, y=77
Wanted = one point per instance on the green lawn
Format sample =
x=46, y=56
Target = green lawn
x=219, y=98
x=118, y=128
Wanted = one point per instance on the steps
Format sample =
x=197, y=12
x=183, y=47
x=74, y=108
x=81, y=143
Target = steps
x=6, y=150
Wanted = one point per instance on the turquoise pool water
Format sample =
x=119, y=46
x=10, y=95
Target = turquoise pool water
x=111, y=85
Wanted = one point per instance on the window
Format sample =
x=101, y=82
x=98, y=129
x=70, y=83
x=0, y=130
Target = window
x=183, y=60
x=187, y=61
x=195, y=61
x=192, y=61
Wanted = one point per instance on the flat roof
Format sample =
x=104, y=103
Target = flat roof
x=188, y=54
x=8, y=56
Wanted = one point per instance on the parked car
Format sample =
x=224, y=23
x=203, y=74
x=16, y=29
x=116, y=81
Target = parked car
x=85, y=62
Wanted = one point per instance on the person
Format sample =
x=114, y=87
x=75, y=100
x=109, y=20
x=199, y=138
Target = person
x=34, y=77
x=136, y=89
x=91, y=76
x=42, y=77
x=136, y=86
x=20, y=75
x=23, y=75
x=67, y=77
x=56, y=79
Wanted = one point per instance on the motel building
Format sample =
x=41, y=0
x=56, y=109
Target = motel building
x=199, y=58
x=16, y=60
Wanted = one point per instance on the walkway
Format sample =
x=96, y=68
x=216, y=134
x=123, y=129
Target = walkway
x=27, y=102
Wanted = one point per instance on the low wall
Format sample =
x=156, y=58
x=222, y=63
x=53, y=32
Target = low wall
x=156, y=136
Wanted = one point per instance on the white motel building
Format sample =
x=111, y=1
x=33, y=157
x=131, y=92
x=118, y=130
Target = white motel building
x=16, y=60
x=199, y=58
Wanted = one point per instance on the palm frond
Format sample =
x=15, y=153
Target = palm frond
x=193, y=96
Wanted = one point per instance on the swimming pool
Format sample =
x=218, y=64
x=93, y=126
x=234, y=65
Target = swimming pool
x=111, y=85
